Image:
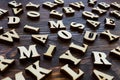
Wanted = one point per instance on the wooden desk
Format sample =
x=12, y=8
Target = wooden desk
x=25, y=40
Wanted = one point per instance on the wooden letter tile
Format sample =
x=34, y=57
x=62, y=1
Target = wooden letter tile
x=68, y=57
x=99, y=11
x=55, y=26
x=14, y=4
x=13, y=21
x=102, y=76
x=9, y=37
x=31, y=29
x=59, y=2
x=68, y=11
x=28, y=54
x=77, y=26
x=115, y=13
x=7, y=78
x=18, y=76
x=90, y=15
x=1, y=30
x=104, y=5
x=33, y=15
x=41, y=39
x=90, y=36
x=17, y=11
x=77, y=5
x=116, y=51
x=38, y=71
x=51, y=50
x=72, y=74
x=64, y=35
x=32, y=6
x=5, y=63
x=92, y=2
x=3, y=12
x=75, y=47
x=111, y=36
x=93, y=24
x=110, y=23
x=100, y=59
x=49, y=5
x=115, y=5
x=56, y=14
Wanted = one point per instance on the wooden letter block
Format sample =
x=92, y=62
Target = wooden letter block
x=28, y=54
x=33, y=15
x=32, y=6
x=115, y=5
x=104, y=5
x=77, y=5
x=90, y=36
x=90, y=15
x=5, y=63
x=14, y=4
x=99, y=11
x=68, y=11
x=64, y=35
x=102, y=76
x=41, y=39
x=31, y=29
x=68, y=57
x=49, y=5
x=7, y=78
x=9, y=37
x=38, y=71
x=116, y=51
x=100, y=59
x=55, y=26
x=17, y=11
x=77, y=26
x=59, y=2
x=72, y=74
x=1, y=30
x=78, y=48
x=93, y=23
x=110, y=23
x=111, y=36
x=56, y=14
x=18, y=76
x=92, y=2
x=51, y=50
x=3, y=12
x=115, y=13
x=13, y=21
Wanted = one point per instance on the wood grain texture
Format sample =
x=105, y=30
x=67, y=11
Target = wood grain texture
x=86, y=64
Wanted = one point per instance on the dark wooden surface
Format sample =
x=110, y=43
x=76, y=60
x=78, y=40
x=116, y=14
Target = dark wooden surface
x=25, y=40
